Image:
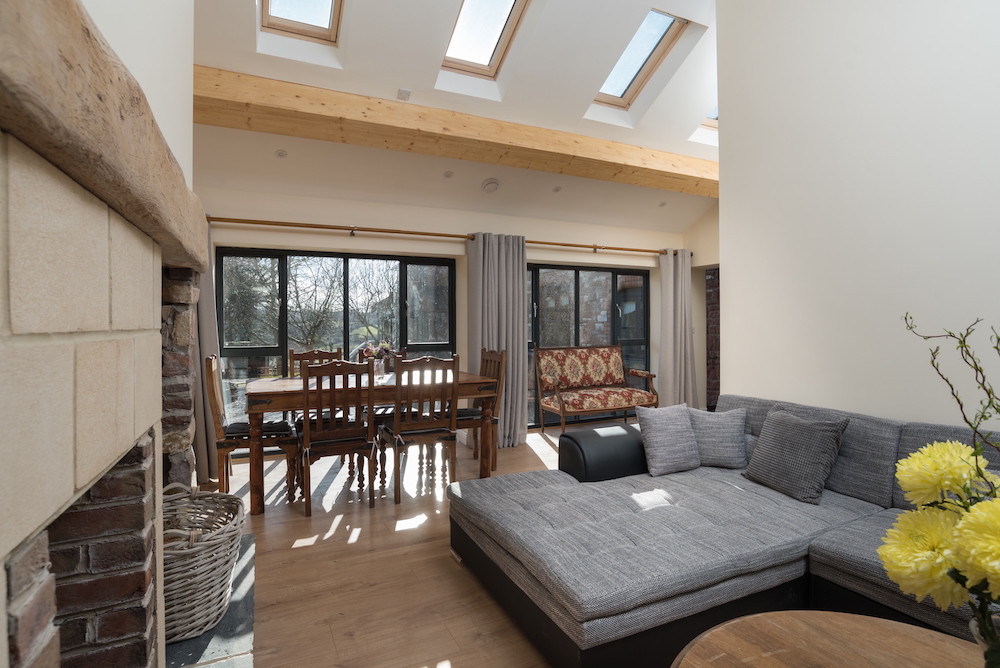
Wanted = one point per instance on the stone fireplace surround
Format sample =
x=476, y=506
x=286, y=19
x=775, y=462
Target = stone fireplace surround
x=92, y=207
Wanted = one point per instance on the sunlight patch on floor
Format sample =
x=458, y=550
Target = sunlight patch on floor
x=545, y=447
x=423, y=471
x=305, y=542
x=412, y=523
x=333, y=526
x=355, y=532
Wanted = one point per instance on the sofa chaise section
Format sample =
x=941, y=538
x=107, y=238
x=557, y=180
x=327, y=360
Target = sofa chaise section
x=601, y=562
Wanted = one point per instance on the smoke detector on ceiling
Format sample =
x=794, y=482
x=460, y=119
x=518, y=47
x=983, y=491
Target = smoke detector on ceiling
x=490, y=186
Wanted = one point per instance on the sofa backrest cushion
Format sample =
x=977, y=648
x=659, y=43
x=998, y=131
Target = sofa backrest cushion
x=916, y=435
x=795, y=456
x=668, y=439
x=756, y=410
x=866, y=465
x=721, y=437
x=582, y=367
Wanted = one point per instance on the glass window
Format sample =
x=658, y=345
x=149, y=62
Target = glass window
x=650, y=44
x=556, y=307
x=428, y=299
x=235, y=372
x=269, y=301
x=482, y=35
x=587, y=306
x=595, y=308
x=313, y=12
x=374, y=297
x=250, y=302
x=631, y=300
x=315, y=302
x=314, y=20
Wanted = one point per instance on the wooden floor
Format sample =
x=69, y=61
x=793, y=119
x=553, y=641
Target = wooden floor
x=354, y=586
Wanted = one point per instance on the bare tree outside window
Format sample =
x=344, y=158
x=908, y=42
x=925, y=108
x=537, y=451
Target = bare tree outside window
x=315, y=302
x=250, y=301
x=374, y=302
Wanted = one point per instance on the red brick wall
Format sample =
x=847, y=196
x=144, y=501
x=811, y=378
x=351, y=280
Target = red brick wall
x=102, y=555
x=713, y=331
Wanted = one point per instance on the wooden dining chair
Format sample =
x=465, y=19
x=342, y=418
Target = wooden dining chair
x=338, y=397
x=231, y=436
x=492, y=364
x=311, y=357
x=425, y=412
x=315, y=356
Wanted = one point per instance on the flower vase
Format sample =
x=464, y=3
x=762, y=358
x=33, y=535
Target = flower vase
x=974, y=627
x=379, y=368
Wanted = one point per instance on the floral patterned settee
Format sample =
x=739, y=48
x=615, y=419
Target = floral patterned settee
x=578, y=381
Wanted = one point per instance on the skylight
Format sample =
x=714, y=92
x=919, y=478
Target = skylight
x=482, y=34
x=651, y=42
x=315, y=20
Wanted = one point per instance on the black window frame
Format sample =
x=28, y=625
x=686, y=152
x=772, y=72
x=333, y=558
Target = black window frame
x=281, y=350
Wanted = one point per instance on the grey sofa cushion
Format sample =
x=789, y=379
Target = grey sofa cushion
x=602, y=630
x=756, y=409
x=720, y=437
x=605, y=548
x=795, y=456
x=668, y=439
x=866, y=465
x=847, y=556
x=916, y=435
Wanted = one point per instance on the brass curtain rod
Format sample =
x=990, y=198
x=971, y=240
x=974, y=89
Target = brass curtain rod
x=378, y=230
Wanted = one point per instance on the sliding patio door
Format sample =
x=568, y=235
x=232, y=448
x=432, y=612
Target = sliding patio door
x=587, y=306
x=271, y=300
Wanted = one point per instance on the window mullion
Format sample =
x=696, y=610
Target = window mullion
x=403, y=306
x=347, y=307
x=283, y=310
x=576, y=308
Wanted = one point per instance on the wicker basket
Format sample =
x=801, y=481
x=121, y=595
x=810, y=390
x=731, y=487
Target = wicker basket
x=201, y=541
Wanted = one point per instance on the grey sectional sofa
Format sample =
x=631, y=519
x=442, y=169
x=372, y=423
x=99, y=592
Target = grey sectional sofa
x=603, y=564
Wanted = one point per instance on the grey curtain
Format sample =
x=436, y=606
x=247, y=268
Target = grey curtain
x=208, y=344
x=498, y=320
x=676, y=381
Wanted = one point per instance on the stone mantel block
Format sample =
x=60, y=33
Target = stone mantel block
x=66, y=94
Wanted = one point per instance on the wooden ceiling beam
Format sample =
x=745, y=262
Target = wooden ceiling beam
x=246, y=102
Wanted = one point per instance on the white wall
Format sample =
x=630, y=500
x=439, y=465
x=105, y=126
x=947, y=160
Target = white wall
x=225, y=203
x=858, y=183
x=702, y=239
x=155, y=40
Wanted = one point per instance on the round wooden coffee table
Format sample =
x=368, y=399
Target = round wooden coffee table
x=819, y=639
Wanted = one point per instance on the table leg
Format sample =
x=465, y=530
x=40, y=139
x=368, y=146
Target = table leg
x=486, y=443
x=256, y=463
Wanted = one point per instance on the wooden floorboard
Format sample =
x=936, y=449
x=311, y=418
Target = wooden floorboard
x=355, y=586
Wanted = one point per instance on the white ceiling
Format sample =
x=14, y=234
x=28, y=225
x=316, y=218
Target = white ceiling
x=560, y=56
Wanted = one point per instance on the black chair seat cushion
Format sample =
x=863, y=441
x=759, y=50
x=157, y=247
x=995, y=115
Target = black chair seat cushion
x=471, y=415
x=242, y=429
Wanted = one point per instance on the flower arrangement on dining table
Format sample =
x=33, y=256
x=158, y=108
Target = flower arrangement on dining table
x=381, y=351
x=948, y=548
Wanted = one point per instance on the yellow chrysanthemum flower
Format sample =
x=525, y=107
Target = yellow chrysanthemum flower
x=918, y=552
x=977, y=542
x=936, y=470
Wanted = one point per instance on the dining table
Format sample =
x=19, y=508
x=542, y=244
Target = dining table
x=270, y=395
